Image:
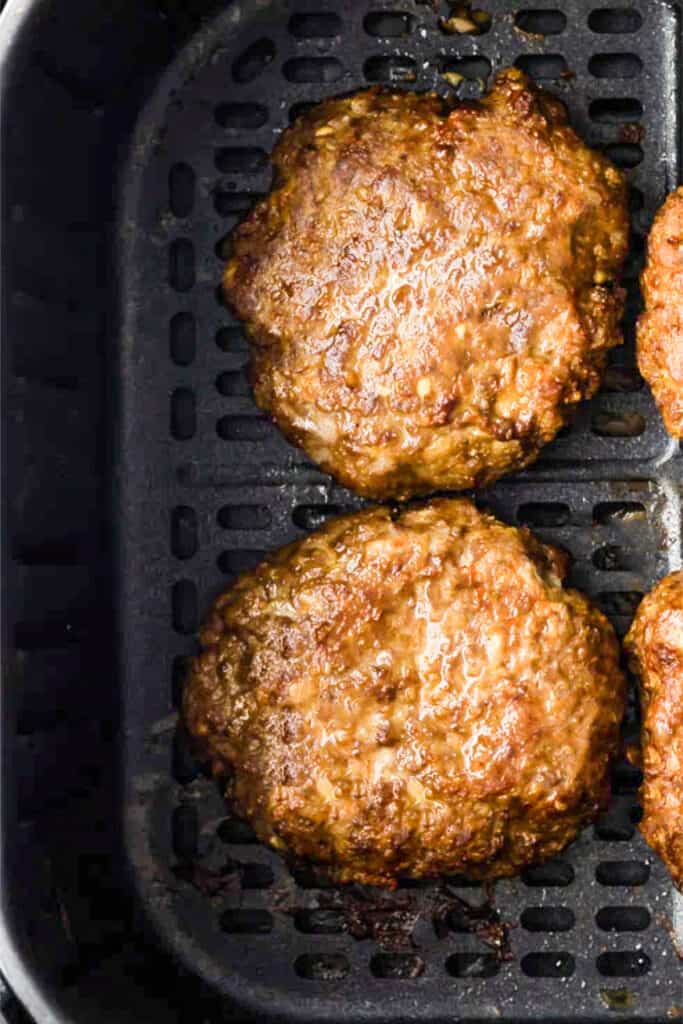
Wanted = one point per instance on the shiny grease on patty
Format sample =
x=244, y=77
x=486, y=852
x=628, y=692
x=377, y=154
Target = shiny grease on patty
x=410, y=693
x=430, y=290
x=655, y=644
x=660, y=328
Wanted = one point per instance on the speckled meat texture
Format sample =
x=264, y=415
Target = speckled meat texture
x=655, y=644
x=410, y=694
x=430, y=291
x=660, y=329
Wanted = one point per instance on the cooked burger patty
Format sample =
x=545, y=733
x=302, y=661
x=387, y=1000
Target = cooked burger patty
x=430, y=291
x=410, y=694
x=660, y=329
x=655, y=642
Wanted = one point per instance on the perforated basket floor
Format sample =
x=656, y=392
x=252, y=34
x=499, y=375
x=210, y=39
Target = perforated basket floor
x=207, y=485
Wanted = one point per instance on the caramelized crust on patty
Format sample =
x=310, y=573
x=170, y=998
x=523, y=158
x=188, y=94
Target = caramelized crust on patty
x=428, y=289
x=660, y=329
x=410, y=693
x=655, y=643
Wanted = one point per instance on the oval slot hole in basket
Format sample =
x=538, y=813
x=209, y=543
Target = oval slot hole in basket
x=397, y=966
x=184, y=537
x=554, y=873
x=548, y=965
x=233, y=383
x=185, y=831
x=245, y=921
x=623, y=919
x=615, y=20
x=241, y=117
x=623, y=964
x=546, y=513
x=543, y=66
x=626, y=778
x=473, y=965
x=181, y=267
x=612, y=828
x=622, y=380
x=244, y=517
x=318, y=70
x=389, y=24
x=231, y=339
x=183, y=339
x=241, y=159
x=541, y=23
x=622, y=873
x=472, y=68
x=390, y=69
x=615, y=65
x=548, y=919
x=322, y=966
x=615, y=110
x=183, y=414
x=609, y=513
x=627, y=155
x=227, y=203
x=319, y=922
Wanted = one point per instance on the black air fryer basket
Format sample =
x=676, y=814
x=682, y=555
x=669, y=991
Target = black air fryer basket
x=139, y=478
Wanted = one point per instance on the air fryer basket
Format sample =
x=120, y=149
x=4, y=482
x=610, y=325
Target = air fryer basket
x=127, y=886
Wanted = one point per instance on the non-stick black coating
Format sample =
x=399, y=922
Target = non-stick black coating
x=221, y=487
x=141, y=479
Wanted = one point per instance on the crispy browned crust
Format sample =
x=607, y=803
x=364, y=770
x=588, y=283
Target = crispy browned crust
x=660, y=328
x=655, y=644
x=410, y=693
x=428, y=289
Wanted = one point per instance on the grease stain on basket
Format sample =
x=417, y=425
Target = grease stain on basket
x=618, y=999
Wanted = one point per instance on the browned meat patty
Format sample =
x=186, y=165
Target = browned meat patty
x=655, y=643
x=410, y=694
x=660, y=329
x=430, y=291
